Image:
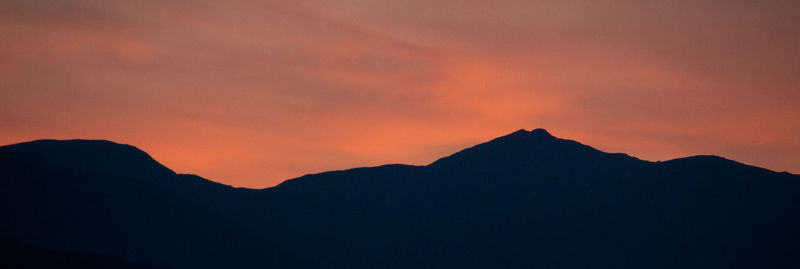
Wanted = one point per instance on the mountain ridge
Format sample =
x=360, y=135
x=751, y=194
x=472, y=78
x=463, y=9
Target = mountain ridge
x=538, y=134
x=526, y=199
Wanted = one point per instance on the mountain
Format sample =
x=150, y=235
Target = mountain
x=52, y=196
x=16, y=255
x=524, y=200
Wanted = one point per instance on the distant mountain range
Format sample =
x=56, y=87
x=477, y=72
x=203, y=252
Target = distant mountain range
x=524, y=200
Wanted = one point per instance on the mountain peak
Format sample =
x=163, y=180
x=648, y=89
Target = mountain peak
x=521, y=148
x=525, y=136
x=538, y=132
x=534, y=131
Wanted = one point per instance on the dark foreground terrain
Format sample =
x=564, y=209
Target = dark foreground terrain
x=524, y=200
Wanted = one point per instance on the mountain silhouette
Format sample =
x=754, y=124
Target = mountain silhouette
x=56, y=199
x=17, y=255
x=524, y=200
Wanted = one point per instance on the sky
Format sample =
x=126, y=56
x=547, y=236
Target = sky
x=251, y=93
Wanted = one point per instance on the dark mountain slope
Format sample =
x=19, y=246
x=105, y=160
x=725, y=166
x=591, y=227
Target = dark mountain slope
x=525, y=200
x=108, y=157
x=95, y=155
x=66, y=205
x=17, y=255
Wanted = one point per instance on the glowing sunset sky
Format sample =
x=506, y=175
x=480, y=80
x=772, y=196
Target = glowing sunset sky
x=251, y=93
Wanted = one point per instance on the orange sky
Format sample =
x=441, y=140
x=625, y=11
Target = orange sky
x=251, y=93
